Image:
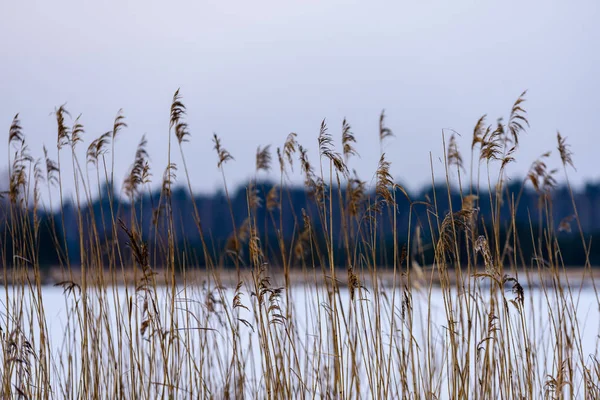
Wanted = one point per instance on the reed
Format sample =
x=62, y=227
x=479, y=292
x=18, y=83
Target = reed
x=337, y=311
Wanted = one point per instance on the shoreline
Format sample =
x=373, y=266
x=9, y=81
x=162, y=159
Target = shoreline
x=421, y=277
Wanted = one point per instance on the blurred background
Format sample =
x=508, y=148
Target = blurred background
x=255, y=71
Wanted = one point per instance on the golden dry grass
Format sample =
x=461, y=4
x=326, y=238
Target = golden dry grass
x=310, y=327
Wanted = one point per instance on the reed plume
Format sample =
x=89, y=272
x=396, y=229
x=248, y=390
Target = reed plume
x=238, y=238
x=263, y=159
x=289, y=148
x=139, y=174
x=77, y=131
x=491, y=143
x=222, y=153
x=454, y=156
x=62, y=129
x=384, y=131
x=169, y=178
x=478, y=132
x=178, y=111
x=51, y=169
x=18, y=179
x=565, y=151
x=118, y=124
x=384, y=181
x=326, y=149
x=15, y=133
x=315, y=184
x=98, y=147
x=252, y=195
x=540, y=176
x=272, y=198
x=517, y=120
x=356, y=194
x=347, y=141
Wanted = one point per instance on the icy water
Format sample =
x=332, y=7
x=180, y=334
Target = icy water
x=310, y=326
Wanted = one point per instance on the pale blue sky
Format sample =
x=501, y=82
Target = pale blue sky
x=255, y=71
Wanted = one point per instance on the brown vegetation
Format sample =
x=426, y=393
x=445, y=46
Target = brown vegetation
x=511, y=329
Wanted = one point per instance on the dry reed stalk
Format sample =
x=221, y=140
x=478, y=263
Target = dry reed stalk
x=455, y=330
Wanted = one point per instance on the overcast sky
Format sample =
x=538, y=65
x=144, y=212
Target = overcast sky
x=254, y=71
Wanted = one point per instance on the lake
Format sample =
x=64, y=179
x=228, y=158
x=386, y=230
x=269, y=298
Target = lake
x=209, y=329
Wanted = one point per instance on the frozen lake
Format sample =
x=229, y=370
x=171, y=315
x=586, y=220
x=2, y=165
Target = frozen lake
x=124, y=332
